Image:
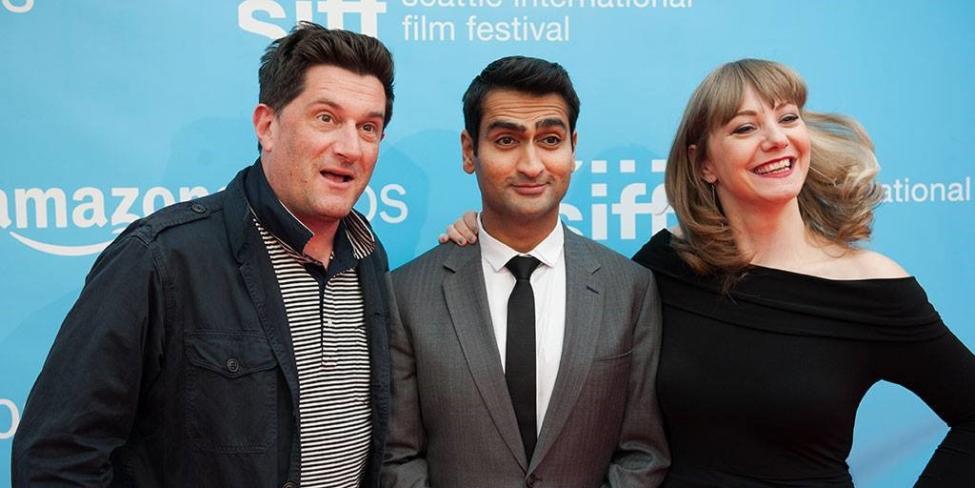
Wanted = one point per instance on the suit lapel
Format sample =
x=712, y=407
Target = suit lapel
x=466, y=299
x=583, y=316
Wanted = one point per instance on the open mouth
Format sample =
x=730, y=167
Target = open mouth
x=781, y=166
x=335, y=177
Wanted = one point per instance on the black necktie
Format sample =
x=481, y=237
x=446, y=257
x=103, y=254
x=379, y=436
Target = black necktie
x=519, y=370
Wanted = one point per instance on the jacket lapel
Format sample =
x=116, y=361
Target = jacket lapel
x=258, y=275
x=271, y=313
x=583, y=316
x=466, y=299
x=373, y=280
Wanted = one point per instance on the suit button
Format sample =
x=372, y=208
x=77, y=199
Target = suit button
x=233, y=365
x=198, y=208
x=289, y=484
x=532, y=480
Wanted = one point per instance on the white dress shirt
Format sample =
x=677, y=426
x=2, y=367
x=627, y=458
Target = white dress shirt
x=548, y=286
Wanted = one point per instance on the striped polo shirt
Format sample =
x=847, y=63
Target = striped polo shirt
x=326, y=316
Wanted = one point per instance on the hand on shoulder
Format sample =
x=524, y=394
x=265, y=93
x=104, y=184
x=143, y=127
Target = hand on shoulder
x=462, y=231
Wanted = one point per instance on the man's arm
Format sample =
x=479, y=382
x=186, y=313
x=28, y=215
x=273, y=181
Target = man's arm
x=642, y=457
x=83, y=404
x=404, y=464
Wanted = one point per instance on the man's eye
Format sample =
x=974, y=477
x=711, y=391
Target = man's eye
x=371, y=132
x=327, y=118
x=551, y=140
x=505, y=140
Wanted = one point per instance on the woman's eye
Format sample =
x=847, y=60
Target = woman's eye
x=788, y=118
x=325, y=117
x=743, y=129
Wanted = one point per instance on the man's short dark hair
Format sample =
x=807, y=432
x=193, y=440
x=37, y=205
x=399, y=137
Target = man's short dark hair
x=283, y=66
x=529, y=75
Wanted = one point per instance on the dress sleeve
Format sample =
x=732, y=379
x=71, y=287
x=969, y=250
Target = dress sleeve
x=942, y=372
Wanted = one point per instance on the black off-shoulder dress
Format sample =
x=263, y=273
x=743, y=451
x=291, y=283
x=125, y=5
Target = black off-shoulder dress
x=759, y=387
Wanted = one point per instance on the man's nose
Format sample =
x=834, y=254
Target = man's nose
x=348, y=144
x=531, y=164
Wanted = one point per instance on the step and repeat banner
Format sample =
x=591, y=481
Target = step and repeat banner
x=112, y=110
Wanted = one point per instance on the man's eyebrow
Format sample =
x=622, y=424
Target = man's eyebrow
x=550, y=122
x=325, y=101
x=330, y=103
x=504, y=124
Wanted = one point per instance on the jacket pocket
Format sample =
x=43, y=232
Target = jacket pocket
x=231, y=392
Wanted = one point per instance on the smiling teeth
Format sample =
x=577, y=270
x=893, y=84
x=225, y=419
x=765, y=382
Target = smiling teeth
x=773, y=167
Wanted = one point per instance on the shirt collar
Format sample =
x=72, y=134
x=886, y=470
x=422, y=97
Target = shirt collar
x=353, y=236
x=497, y=253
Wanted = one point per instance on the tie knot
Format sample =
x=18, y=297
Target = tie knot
x=522, y=266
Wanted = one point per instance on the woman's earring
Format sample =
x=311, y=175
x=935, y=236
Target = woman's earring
x=712, y=181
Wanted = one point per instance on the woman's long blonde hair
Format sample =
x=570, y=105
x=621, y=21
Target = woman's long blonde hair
x=839, y=195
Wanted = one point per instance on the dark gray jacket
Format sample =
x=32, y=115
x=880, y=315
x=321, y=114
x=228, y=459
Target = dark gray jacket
x=175, y=367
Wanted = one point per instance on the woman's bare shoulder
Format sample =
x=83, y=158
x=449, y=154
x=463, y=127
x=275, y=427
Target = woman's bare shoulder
x=867, y=264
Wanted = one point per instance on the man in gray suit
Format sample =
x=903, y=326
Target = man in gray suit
x=528, y=359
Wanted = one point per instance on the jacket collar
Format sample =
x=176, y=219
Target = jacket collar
x=250, y=196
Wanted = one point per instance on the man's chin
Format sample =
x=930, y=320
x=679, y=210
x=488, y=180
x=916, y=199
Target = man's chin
x=531, y=215
x=331, y=212
x=336, y=214
x=335, y=207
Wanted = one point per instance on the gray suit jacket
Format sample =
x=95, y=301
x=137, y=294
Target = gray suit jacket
x=452, y=420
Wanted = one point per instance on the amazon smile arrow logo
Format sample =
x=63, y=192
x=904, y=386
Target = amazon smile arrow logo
x=33, y=210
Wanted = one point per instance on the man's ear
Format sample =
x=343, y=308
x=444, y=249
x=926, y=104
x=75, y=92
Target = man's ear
x=264, y=126
x=707, y=171
x=467, y=150
x=575, y=139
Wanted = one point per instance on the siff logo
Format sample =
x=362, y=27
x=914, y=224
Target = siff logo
x=627, y=206
x=91, y=208
x=14, y=418
x=334, y=10
x=22, y=8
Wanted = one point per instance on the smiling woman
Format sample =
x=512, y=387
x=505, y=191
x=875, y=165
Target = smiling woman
x=747, y=151
x=775, y=323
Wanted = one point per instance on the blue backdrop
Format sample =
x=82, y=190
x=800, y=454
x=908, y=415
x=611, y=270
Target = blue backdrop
x=114, y=109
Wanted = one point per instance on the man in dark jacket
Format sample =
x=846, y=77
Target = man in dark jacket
x=239, y=339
